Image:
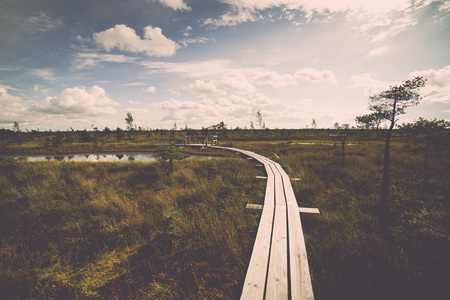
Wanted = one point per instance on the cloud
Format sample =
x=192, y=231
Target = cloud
x=179, y=105
x=315, y=76
x=331, y=5
x=199, y=40
x=150, y=89
x=12, y=108
x=88, y=60
x=138, y=110
x=39, y=88
x=174, y=4
x=206, y=88
x=44, y=73
x=370, y=84
x=234, y=110
x=437, y=86
x=134, y=84
x=125, y=39
x=237, y=82
x=198, y=69
x=78, y=101
x=272, y=78
x=42, y=23
x=392, y=27
x=233, y=18
x=249, y=10
x=135, y=102
x=378, y=51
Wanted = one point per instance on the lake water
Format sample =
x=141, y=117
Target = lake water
x=91, y=157
x=99, y=157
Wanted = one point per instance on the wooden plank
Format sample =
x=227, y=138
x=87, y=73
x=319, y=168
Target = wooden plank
x=306, y=210
x=255, y=279
x=301, y=287
x=254, y=206
x=309, y=210
x=277, y=276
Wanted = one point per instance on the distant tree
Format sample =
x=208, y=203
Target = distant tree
x=129, y=120
x=107, y=131
x=371, y=121
x=16, y=127
x=168, y=154
x=85, y=136
x=390, y=104
x=336, y=125
x=259, y=120
x=119, y=133
x=313, y=124
x=18, y=136
x=430, y=129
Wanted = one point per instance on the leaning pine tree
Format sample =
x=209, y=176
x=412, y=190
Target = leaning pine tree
x=390, y=104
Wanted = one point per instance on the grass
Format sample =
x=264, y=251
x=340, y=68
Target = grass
x=109, y=230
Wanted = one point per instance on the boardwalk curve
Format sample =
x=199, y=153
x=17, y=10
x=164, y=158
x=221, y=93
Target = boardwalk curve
x=278, y=267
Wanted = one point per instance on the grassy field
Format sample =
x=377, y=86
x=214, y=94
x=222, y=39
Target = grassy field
x=129, y=230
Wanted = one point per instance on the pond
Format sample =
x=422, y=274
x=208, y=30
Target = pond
x=90, y=157
x=97, y=157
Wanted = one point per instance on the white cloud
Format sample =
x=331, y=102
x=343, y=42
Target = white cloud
x=134, y=84
x=12, y=107
x=125, y=39
x=199, y=40
x=175, y=93
x=437, y=86
x=393, y=27
x=179, y=105
x=272, y=78
x=312, y=75
x=175, y=4
x=206, y=88
x=78, y=101
x=331, y=5
x=198, y=69
x=370, y=84
x=237, y=82
x=41, y=22
x=39, y=88
x=135, y=102
x=138, y=110
x=44, y=73
x=248, y=10
x=150, y=89
x=378, y=51
x=233, y=18
x=87, y=60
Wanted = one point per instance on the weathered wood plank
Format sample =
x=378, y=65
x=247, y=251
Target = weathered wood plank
x=255, y=280
x=301, y=287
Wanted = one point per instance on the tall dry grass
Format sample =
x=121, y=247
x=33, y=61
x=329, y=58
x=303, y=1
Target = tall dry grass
x=128, y=230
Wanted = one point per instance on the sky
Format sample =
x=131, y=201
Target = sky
x=74, y=64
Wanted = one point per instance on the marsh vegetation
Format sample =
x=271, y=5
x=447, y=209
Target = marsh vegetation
x=121, y=230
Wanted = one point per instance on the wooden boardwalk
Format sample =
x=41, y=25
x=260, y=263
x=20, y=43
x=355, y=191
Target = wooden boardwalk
x=278, y=266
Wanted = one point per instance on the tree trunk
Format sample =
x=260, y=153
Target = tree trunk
x=427, y=146
x=385, y=181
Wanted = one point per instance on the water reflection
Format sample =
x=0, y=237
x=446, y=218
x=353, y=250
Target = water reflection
x=105, y=157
